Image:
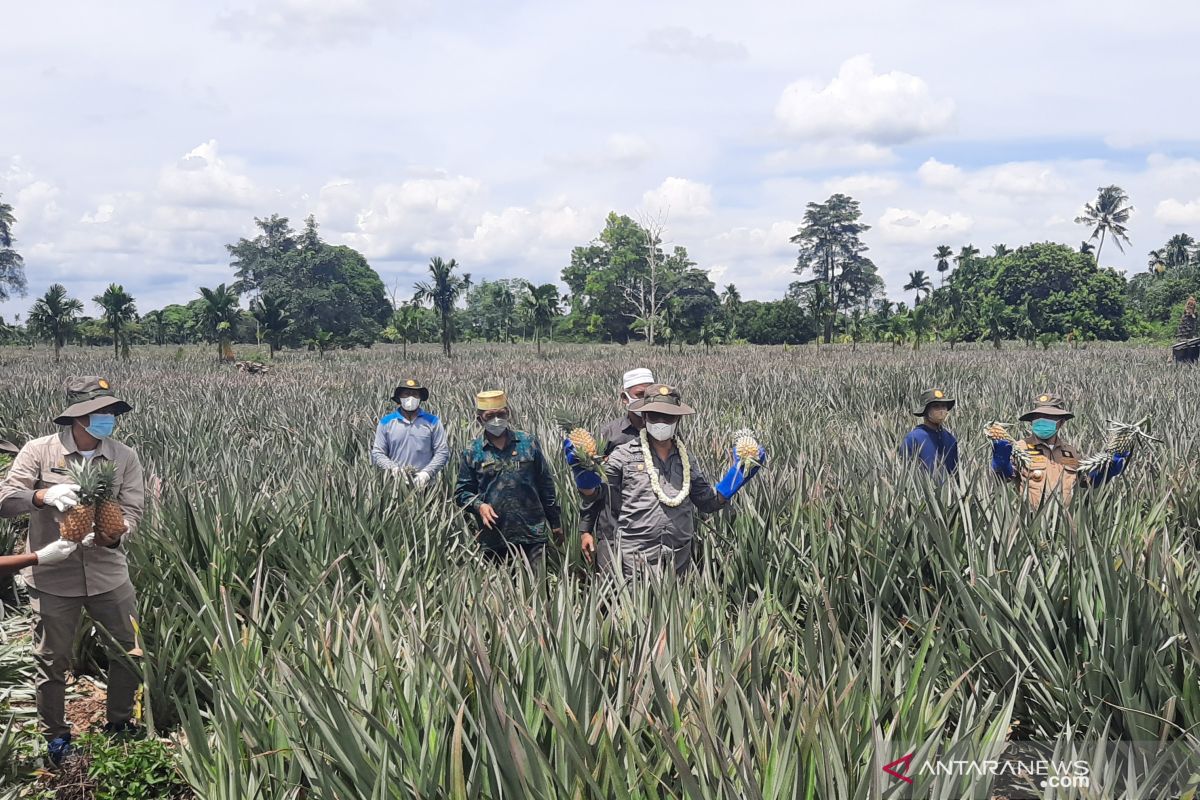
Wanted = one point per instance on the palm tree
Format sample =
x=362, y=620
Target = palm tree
x=7, y=220
x=1087, y=248
x=407, y=320
x=1157, y=261
x=271, y=315
x=942, y=257
x=918, y=282
x=158, y=318
x=542, y=305
x=1000, y=250
x=1107, y=217
x=1178, y=250
x=12, y=266
x=219, y=316
x=918, y=321
x=118, y=311
x=442, y=290
x=54, y=316
x=965, y=254
x=993, y=315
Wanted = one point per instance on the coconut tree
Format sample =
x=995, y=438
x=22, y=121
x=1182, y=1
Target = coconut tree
x=1157, y=261
x=942, y=257
x=118, y=311
x=965, y=254
x=918, y=282
x=1178, y=250
x=1000, y=250
x=442, y=291
x=219, y=315
x=541, y=303
x=271, y=315
x=54, y=316
x=12, y=266
x=1107, y=216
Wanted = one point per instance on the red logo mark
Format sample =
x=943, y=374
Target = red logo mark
x=904, y=764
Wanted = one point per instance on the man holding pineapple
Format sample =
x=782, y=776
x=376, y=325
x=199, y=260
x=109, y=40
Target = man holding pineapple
x=653, y=490
x=505, y=483
x=82, y=486
x=410, y=440
x=597, y=525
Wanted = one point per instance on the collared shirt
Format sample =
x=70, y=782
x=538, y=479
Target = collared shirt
x=514, y=480
x=1055, y=469
x=419, y=443
x=936, y=447
x=42, y=463
x=597, y=518
x=643, y=521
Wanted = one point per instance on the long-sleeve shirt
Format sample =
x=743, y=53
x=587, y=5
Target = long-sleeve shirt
x=645, y=523
x=420, y=443
x=936, y=447
x=516, y=481
x=597, y=518
x=43, y=463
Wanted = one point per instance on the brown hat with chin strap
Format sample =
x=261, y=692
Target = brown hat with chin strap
x=1047, y=405
x=662, y=399
x=89, y=394
x=410, y=384
x=931, y=396
x=8, y=447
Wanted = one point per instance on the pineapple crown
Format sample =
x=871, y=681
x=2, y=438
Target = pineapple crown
x=96, y=480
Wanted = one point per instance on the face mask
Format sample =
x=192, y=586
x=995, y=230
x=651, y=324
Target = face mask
x=661, y=430
x=101, y=425
x=496, y=426
x=937, y=415
x=1044, y=428
x=630, y=400
x=410, y=403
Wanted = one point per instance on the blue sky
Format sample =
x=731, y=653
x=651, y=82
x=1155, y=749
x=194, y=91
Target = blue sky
x=139, y=138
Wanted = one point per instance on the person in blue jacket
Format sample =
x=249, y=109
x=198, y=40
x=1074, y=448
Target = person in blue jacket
x=930, y=441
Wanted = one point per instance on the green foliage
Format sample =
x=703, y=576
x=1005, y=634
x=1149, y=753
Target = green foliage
x=119, y=312
x=54, y=316
x=1107, y=216
x=12, y=266
x=442, y=291
x=322, y=286
x=124, y=769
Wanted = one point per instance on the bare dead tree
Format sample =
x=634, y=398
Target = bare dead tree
x=649, y=294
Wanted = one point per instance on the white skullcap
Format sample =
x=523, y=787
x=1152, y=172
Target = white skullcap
x=636, y=377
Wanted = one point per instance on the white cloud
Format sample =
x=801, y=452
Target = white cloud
x=202, y=178
x=824, y=155
x=858, y=185
x=679, y=197
x=885, y=108
x=912, y=227
x=296, y=23
x=1173, y=212
x=620, y=151
x=1021, y=178
x=680, y=41
x=935, y=174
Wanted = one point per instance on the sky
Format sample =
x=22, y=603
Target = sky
x=138, y=138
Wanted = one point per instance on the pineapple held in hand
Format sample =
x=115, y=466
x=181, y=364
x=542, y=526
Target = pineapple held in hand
x=747, y=448
x=587, y=449
x=96, y=510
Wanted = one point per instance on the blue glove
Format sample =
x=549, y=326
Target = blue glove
x=1002, y=458
x=1115, y=467
x=584, y=478
x=738, y=475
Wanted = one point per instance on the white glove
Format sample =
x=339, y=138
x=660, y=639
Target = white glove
x=89, y=541
x=62, y=496
x=55, y=552
x=420, y=479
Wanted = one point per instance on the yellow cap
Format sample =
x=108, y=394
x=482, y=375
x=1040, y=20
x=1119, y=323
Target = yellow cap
x=491, y=400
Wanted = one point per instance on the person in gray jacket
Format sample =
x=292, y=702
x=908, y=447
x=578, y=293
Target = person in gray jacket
x=410, y=441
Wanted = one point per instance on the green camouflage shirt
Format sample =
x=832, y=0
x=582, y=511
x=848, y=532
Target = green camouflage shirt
x=516, y=482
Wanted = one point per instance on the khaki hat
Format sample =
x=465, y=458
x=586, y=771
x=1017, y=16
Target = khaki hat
x=1047, y=405
x=491, y=400
x=933, y=396
x=662, y=399
x=87, y=395
x=8, y=447
x=410, y=383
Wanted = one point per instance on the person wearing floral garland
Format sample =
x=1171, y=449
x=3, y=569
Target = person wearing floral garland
x=653, y=489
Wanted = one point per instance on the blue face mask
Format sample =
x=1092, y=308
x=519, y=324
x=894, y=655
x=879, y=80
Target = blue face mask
x=101, y=425
x=1044, y=428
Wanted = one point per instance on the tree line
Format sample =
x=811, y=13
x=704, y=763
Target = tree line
x=627, y=285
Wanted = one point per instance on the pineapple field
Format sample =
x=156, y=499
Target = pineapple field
x=314, y=628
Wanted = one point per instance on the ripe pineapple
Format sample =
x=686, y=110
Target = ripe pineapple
x=1022, y=452
x=96, y=509
x=587, y=449
x=747, y=447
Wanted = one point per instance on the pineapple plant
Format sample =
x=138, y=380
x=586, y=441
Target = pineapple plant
x=96, y=510
x=1121, y=438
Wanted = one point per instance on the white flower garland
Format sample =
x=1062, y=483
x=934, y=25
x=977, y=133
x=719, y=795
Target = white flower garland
x=652, y=471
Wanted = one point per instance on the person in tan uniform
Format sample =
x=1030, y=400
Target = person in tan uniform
x=1054, y=461
x=93, y=576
